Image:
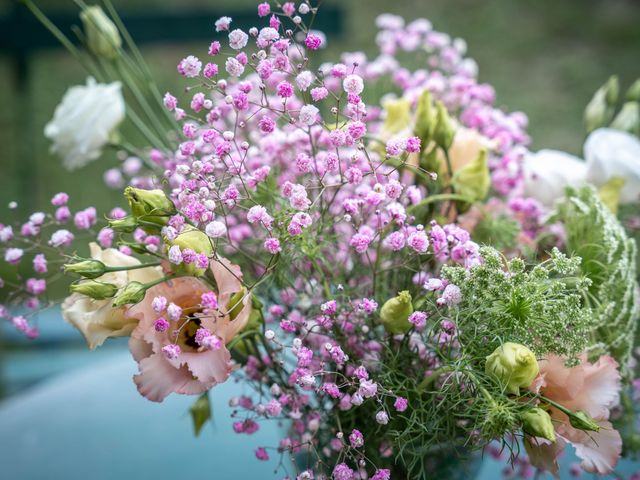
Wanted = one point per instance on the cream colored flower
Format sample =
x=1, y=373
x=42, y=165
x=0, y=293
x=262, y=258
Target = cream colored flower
x=466, y=147
x=97, y=320
x=84, y=121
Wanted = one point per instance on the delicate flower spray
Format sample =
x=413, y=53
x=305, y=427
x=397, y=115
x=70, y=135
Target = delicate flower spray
x=287, y=226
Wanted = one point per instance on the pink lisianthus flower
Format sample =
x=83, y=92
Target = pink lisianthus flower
x=198, y=366
x=590, y=388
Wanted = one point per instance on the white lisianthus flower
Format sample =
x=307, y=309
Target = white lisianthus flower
x=98, y=320
x=548, y=172
x=84, y=121
x=613, y=153
x=609, y=154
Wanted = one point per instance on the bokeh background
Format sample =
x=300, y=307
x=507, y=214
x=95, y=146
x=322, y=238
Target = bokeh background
x=544, y=57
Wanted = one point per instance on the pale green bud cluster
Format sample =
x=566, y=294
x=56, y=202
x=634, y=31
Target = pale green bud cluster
x=395, y=313
x=150, y=208
x=513, y=365
x=103, y=38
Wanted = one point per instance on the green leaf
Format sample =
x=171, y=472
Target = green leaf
x=473, y=180
x=200, y=412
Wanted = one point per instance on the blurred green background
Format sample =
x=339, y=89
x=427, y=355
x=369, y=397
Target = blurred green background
x=544, y=57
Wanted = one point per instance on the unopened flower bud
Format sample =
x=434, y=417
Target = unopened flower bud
x=236, y=304
x=628, y=119
x=537, y=422
x=103, y=38
x=600, y=109
x=152, y=208
x=93, y=289
x=86, y=268
x=196, y=240
x=125, y=225
x=130, y=295
x=582, y=421
x=425, y=117
x=513, y=365
x=633, y=94
x=395, y=313
x=443, y=132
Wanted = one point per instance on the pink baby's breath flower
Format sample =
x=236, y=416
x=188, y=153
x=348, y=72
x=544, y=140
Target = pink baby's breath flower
x=214, y=48
x=190, y=66
x=356, y=439
x=59, y=199
x=261, y=454
x=353, y=84
x=223, y=24
x=36, y=286
x=319, y=93
x=264, y=9
x=450, y=296
x=61, y=238
x=400, y=404
x=233, y=67
x=342, y=472
x=40, y=263
x=308, y=115
x=284, y=89
x=272, y=245
x=170, y=102
x=238, y=39
x=313, y=42
x=418, y=241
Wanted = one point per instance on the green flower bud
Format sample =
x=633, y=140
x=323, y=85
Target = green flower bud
x=499, y=418
x=93, y=289
x=628, y=120
x=125, y=225
x=103, y=38
x=395, y=313
x=152, y=208
x=131, y=294
x=513, y=365
x=443, y=132
x=633, y=94
x=425, y=117
x=600, y=109
x=236, y=304
x=582, y=421
x=537, y=422
x=86, y=268
x=196, y=240
x=473, y=180
x=612, y=90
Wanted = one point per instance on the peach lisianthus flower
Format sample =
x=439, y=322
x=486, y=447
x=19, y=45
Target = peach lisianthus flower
x=195, y=368
x=590, y=388
x=98, y=320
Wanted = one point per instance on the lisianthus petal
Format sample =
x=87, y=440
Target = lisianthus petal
x=139, y=348
x=601, y=389
x=210, y=366
x=543, y=454
x=560, y=383
x=599, y=451
x=158, y=378
x=227, y=276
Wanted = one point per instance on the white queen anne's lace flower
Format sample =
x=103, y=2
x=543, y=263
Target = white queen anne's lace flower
x=84, y=121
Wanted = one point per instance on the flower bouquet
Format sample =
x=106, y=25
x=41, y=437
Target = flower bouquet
x=370, y=248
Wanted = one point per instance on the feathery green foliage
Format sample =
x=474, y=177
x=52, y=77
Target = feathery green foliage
x=609, y=261
x=541, y=308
